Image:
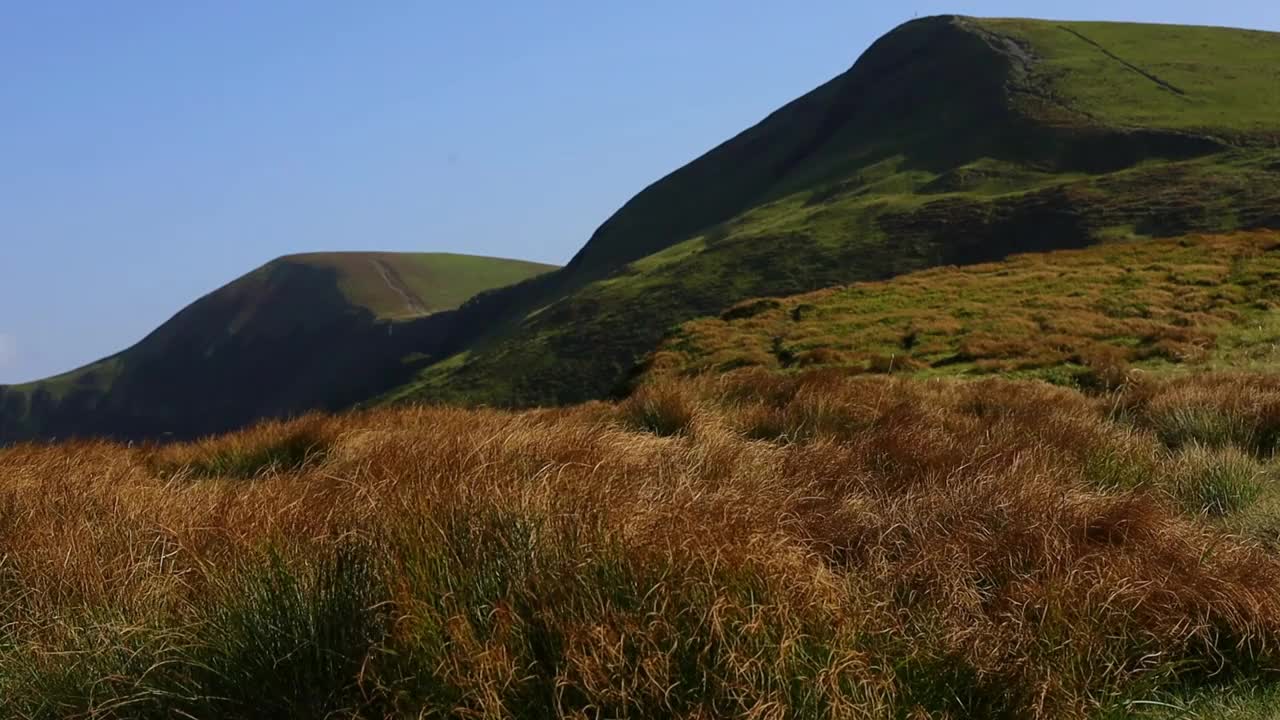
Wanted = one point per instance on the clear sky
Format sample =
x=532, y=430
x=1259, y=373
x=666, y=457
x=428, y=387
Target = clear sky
x=152, y=151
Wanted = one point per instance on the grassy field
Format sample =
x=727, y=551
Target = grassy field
x=962, y=486
x=756, y=545
x=1073, y=316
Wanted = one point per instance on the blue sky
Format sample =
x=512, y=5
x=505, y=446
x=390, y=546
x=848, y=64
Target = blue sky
x=152, y=151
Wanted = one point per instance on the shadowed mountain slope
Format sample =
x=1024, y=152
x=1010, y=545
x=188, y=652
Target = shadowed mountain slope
x=315, y=331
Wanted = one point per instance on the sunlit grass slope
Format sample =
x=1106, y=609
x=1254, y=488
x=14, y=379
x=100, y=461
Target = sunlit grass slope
x=1200, y=79
x=1090, y=315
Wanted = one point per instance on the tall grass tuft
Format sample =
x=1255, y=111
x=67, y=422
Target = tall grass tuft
x=292, y=641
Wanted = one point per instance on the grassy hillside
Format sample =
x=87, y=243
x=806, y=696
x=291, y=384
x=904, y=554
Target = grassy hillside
x=951, y=141
x=1069, y=316
x=299, y=333
x=760, y=546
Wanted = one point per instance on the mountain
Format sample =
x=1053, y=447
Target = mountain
x=303, y=332
x=952, y=140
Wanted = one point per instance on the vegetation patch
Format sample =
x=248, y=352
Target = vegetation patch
x=1085, y=317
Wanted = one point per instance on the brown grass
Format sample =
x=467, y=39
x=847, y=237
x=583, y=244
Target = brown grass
x=819, y=545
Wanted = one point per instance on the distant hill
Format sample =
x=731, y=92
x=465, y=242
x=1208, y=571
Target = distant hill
x=302, y=332
x=952, y=140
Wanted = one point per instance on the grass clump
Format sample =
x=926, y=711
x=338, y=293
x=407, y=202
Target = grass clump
x=1126, y=462
x=1217, y=410
x=282, y=641
x=1217, y=481
x=281, y=447
x=663, y=409
x=1180, y=426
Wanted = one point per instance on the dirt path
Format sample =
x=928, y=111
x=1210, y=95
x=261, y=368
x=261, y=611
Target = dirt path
x=393, y=281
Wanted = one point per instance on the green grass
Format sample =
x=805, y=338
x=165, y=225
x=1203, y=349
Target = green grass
x=297, y=448
x=285, y=641
x=1241, y=701
x=272, y=639
x=1218, y=482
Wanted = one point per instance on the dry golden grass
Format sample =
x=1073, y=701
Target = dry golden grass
x=755, y=546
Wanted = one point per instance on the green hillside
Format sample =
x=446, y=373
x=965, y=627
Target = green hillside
x=951, y=141
x=1090, y=316
x=400, y=285
x=1212, y=80
x=301, y=332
